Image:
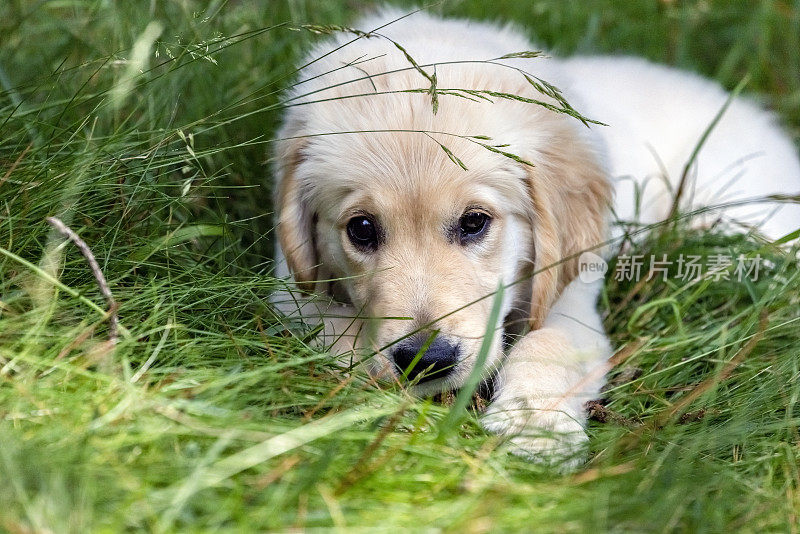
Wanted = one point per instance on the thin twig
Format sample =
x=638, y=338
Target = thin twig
x=113, y=318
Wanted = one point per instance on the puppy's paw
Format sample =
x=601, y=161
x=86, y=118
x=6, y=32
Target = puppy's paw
x=539, y=398
x=547, y=437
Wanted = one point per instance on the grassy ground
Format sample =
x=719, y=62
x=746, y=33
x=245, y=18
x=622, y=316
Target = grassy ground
x=145, y=126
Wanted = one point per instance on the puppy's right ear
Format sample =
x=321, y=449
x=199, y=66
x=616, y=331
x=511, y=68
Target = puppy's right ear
x=295, y=223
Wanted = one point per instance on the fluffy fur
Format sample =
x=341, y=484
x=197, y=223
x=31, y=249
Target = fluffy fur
x=353, y=142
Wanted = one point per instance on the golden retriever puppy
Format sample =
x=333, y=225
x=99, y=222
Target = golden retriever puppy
x=420, y=166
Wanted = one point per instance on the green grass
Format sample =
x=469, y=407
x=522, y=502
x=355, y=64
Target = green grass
x=211, y=413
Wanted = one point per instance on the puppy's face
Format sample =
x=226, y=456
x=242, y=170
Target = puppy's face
x=419, y=251
x=370, y=201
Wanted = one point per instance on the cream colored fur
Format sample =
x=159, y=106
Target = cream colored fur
x=351, y=143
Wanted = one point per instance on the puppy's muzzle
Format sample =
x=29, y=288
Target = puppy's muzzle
x=436, y=362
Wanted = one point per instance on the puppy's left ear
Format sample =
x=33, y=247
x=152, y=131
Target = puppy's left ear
x=571, y=197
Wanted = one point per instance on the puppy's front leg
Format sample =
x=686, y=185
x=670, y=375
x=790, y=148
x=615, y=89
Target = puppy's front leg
x=548, y=375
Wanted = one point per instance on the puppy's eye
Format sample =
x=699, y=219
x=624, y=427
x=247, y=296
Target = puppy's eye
x=473, y=225
x=362, y=233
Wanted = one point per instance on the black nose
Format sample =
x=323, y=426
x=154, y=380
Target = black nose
x=437, y=362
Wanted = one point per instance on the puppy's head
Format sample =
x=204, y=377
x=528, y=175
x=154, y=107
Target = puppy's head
x=416, y=243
